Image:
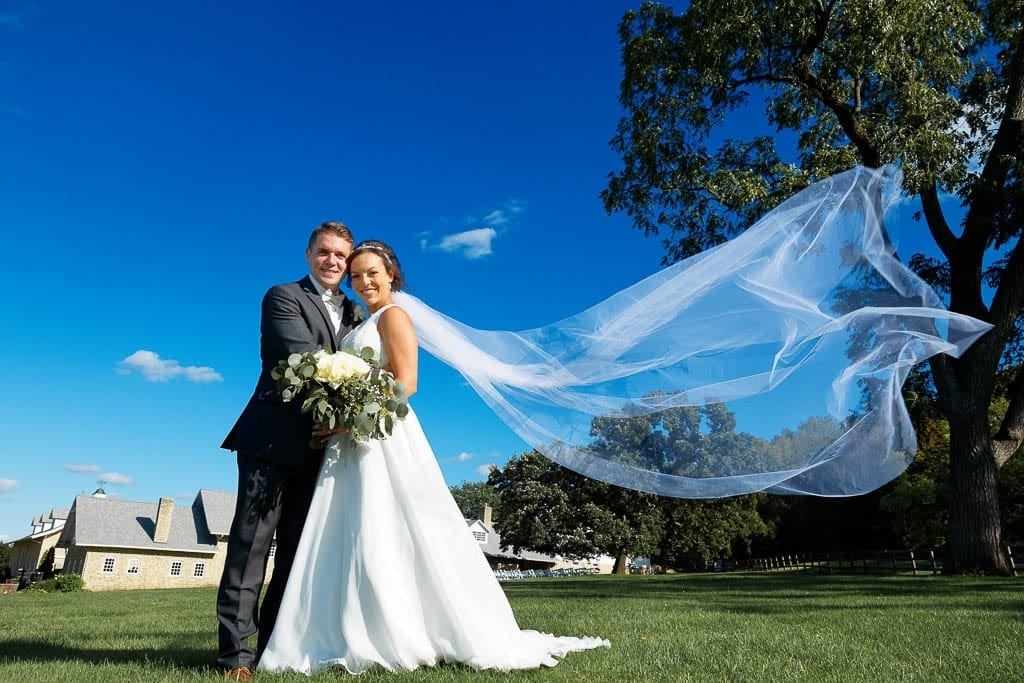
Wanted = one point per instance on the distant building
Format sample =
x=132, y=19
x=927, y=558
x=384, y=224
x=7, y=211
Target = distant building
x=119, y=544
x=483, y=531
x=28, y=552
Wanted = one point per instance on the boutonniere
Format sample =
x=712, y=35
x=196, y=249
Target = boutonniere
x=358, y=313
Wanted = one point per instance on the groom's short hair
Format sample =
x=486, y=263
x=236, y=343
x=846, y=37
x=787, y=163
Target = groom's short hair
x=331, y=228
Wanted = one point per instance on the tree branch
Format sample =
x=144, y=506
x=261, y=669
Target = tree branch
x=936, y=221
x=847, y=116
x=1011, y=431
x=1006, y=145
x=1009, y=296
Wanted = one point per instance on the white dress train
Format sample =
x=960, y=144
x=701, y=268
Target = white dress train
x=387, y=572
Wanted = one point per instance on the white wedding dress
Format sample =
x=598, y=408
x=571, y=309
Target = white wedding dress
x=387, y=572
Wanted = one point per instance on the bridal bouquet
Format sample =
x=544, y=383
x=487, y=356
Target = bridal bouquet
x=346, y=389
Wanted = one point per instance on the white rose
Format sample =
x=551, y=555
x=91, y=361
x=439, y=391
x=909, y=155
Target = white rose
x=335, y=368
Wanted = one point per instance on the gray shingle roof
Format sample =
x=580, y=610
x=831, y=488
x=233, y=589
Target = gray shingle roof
x=113, y=523
x=220, y=510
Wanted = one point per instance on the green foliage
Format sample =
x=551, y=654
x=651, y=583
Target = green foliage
x=855, y=90
x=62, y=583
x=472, y=496
x=699, y=531
x=918, y=502
x=1011, y=484
x=344, y=388
x=937, y=88
x=548, y=508
x=69, y=583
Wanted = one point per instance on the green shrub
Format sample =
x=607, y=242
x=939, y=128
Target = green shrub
x=47, y=586
x=62, y=583
x=69, y=583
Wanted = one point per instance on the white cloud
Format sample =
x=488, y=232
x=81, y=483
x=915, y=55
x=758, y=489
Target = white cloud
x=115, y=478
x=82, y=469
x=7, y=485
x=512, y=208
x=472, y=243
x=461, y=457
x=156, y=369
x=477, y=241
x=484, y=470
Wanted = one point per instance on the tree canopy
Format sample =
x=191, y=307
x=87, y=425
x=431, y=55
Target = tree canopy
x=935, y=87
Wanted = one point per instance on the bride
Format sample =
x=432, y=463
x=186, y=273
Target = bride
x=806, y=326
x=386, y=572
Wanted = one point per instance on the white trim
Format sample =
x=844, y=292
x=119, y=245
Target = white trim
x=160, y=548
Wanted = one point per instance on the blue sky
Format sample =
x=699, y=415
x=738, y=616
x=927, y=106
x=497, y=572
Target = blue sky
x=162, y=164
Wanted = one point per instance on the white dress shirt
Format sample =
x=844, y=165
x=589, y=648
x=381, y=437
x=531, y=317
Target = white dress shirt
x=332, y=302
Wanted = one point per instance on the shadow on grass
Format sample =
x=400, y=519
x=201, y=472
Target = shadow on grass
x=766, y=593
x=176, y=655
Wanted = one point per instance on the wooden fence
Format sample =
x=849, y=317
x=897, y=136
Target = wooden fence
x=922, y=561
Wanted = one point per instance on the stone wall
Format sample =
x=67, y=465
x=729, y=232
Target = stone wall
x=124, y=569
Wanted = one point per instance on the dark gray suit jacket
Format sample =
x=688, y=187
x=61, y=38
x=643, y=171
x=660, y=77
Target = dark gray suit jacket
x=293, y=320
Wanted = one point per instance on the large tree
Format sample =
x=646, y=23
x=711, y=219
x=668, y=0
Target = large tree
x=550, y=509
x=697, y=532
x=472, y=496
x=937, y=87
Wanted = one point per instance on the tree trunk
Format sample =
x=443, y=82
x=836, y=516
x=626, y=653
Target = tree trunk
x=621, y=564
x=974, y=540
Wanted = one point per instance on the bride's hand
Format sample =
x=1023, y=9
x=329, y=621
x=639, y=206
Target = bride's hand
x=322, y=432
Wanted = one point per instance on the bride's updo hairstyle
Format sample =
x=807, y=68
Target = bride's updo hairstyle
x=387, y=254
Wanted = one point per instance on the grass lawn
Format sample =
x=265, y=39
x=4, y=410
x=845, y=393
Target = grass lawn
x=785, y=626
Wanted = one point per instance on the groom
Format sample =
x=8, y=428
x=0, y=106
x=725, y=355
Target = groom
x=277, y=469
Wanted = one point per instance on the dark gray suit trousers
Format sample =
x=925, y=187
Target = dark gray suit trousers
x=271, y=497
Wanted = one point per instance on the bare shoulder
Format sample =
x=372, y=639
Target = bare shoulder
x=395, y=319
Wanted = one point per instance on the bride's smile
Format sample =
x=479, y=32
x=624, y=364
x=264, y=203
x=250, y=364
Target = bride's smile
x=370, y=280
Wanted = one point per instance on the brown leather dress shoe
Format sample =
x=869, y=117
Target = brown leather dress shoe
x=241, y=673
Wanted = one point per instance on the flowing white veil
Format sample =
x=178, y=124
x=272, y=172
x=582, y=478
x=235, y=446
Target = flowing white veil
x=773, y=362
